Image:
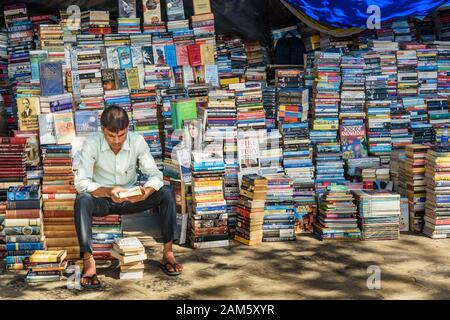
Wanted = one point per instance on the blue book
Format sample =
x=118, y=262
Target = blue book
x=16, y=246
x=171, y=55
x=23, y=193
x=86, y=122
x=125, y=57
x=51, y=75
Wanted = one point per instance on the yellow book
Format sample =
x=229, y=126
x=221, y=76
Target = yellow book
x=48, y=256
x=133, y=78
x=207, y=54
x=202, y=6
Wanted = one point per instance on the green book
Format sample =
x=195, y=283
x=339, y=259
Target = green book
x=183, y=110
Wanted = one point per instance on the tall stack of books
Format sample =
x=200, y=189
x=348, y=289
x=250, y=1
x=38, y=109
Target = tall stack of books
x=337, y=216
x=378, y=214
x=407, y=75
x=353, y=94
x=438, y=116
x=58, y=194
x=88, y=66
x=437, y=209
x=95, y=22
x=413, y=185
x=46, y=266
x=20, y=42
x=249, y=104
x=51, y=40
x=204, y=29
x=278, y=224
x=152, y=17
x=131, y=256
x=145, y=118
x=209, y=221
x=270, y=105
x=23, y=225
x=104, y=232
x=427, y=72
x=292, y=98
x=252, y=198
x=443, y=69
x=421, y=131
x=12, y=161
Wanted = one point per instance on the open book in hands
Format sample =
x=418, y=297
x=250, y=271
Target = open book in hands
x=135, y=191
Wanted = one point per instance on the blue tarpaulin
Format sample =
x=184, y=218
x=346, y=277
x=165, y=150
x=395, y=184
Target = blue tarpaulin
x=353, y=13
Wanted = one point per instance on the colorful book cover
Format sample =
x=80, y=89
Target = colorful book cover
x=52, y=81
x=248, y=150
x=31, y=147
x=113, y=57
x=133, y=78
x=127, y=8
x=109, y=79
x=136, y=56
x=147, y=55
x=184, y=110
x=202, y=6
x=195, y=56
x=121, y=79
x=199, y=74
x=171, y=55
x=125, y=57
x=64, y=127
x=182, y=55
x=28, y=109
x=175, y=10
x=47, y=129
x=36, y=57
x=212, y=75
x=184, y=163
x=207, y=54
x=159, y=56
x=353, y=141
x=152, y=11
x=86, y=122
x=188, y=76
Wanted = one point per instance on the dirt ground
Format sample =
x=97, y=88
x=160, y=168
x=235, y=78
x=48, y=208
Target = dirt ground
x=414, y=267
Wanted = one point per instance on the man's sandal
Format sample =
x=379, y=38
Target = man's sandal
x=93, y=283
x=164, y=266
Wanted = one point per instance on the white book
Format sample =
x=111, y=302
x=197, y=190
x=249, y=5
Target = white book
x=131, y=275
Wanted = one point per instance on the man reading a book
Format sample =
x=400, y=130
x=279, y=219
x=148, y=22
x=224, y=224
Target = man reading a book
x=107, y=171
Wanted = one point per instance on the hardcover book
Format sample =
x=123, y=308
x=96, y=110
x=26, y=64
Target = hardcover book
x=64, y=127
x=47, y=129
x=52, y=81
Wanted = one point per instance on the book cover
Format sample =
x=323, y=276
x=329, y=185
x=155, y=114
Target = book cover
x=133, y=78
x=125, y=57
x=151, y=11
x=159, y=56
x=108, y=79
x=31, y=147
x=248, y=150
x=51, y=76
x=113, y=57
x=207, y=54
x=182, y=55
x=201, y=7
x=64, y=127
x=127, y=8
x=212, y=75
x=175, y=10
x=188, y=76
x=121, y=79
x=36, y=57
x=194, y=54
x=171, y=55
x=136, y=56
x=86, y=122
x=184, y=163
x=184, y=110
x=353, y=141
x=199, y=74
x=147, y=55
x=28, y=110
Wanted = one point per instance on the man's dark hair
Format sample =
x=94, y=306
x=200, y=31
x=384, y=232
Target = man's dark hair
x=114, y=119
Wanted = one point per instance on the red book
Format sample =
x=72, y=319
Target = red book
x=195, y=56
x=13, y=140
x=182, y=55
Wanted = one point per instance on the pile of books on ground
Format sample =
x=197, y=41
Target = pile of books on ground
x=278, y=224
x=378, y=214
x=131, y=256
x=104, y=232
x=412, y=183
x=337, y=216
x=209, y=221
x=58, y=194
x=46, y=266
x=250, y=210
x=23, y=225
x=437, y=208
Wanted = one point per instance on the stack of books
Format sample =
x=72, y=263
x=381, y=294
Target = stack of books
x=89, y=41
x=337, y=216
x=270, y=152
x=145, y=118
x=12, y=161
x=278, y=224
x=394, y=167
x=88, y=66
x=378, y=214
x=420, y=130
x=437, y=209
x=20, y=42
x=104, y=232
x=59, y=194
x=70, y=26
x=3, y=193
x=270, y=105
x=62, y=102
x=250, y=218
x=157, y=75
x=95, y=22
x=51, y=40
x=152, y=15
x=129, y=25
x=23, y=225
x=292, y=98
x=253, y=51
x=204, y=29
x=120, y=98
x=438, y=116
x=427, y=72
x=412, y=183
x=209, y=222
x=444, y=19
x=112, y=43
x=46, y=266
x=15, y=13
x=402, y=32
x=353, y=95
x=407, y=84
x=443, y=72
x=250, y=109
x=131, y=256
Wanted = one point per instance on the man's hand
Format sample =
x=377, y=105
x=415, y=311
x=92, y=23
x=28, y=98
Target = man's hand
x=114, y=194
x=146, y=192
